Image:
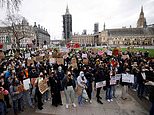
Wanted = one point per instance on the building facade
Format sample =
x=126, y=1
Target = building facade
x=143, y=34
x=22, y=31
x=42, y=35
x=67, y=26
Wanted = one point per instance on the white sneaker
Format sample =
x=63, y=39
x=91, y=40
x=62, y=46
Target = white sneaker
x=74, y=105
x=108, y=100
x=111, y=100
x=66, y=106
x=90, y=101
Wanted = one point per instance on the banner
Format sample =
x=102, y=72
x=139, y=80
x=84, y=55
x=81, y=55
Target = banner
x=128, y=78
x=43, y=86
x=100, y=84
x=60, y=61
x=26, y=84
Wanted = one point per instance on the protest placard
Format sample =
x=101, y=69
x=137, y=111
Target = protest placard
x=60, y=61
x=29, y=62
x=2, y=55
x=27, y=55
x=109, y=53
x=125, y=57
x=128, y=78
x=39, y=58
x=84, y=55
x=100, y=53
x=113, y=80
x=26, y=84
x=43, y=86
x=100, y=84
x=118, y=76
x=52, y=60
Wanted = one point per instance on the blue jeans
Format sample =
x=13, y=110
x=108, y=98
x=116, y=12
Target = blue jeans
x=109, y=92
x=152, y=109
x=15, y=106
x=2, y=108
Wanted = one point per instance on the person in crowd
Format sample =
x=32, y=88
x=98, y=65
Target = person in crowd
x=69, y=86
x=90, y=79
x=125, y=86
x=81, y=82
x=55, y=87
x=37, y=91
x=60, y=75
x=141, y=80
x=99, y=77
x=15, y=96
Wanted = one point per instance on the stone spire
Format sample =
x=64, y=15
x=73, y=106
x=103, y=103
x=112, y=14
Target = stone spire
x=141, y=23
x=67, y=10
x=104, y=26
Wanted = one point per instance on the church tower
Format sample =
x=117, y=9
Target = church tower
x=67, y=25
x=141, y=23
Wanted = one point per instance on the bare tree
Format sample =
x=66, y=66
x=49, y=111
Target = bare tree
x=11, y=5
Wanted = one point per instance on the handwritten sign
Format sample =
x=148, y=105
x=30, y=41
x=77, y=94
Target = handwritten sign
x=113, y=81
x=128, y=78
x=60, y=61
x=43, y=86
x=26, y=84
x=100, y=84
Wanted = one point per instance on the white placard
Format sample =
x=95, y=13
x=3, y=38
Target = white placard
x=26, y=84
x=84, y=55
x=109, y=53
x=128, y=78
x=50, y=53
x=113, y=81
x=118, y=76
x=42, y=54
x=100, y=84
x=52, y=60
x=143, y=75
x=27, y=55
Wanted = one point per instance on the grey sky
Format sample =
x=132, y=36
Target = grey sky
x=115, y=13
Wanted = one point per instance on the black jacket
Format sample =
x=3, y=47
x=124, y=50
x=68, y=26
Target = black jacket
x=151, y=95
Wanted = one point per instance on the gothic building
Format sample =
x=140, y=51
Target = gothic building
x=67, y=26
x=143, y=34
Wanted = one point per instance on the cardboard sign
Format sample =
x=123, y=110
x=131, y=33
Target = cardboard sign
x=100, y=84
x=26, y=84
x=20, y=88
x=85, y=61
x=29, y=62
x=128, y=78
x=52, y=60
x=60, y=61
x=43, y=86
x=39, y=58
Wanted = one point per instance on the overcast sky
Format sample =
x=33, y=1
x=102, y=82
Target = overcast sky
x=115, y=13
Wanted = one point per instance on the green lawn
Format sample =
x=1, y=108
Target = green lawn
x=151, y=51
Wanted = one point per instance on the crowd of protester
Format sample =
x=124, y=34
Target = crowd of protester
x=80, y=81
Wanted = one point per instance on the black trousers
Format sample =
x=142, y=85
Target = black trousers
x=98, y=93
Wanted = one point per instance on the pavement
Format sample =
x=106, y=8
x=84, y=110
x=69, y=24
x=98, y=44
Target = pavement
x=117, y=107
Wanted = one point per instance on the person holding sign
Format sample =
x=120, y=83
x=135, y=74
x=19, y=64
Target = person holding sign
x=37, y=91
x=69, y=86
x=124, y=85
x=55, y=85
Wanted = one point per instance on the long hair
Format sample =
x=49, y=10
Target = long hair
x=69, y=76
